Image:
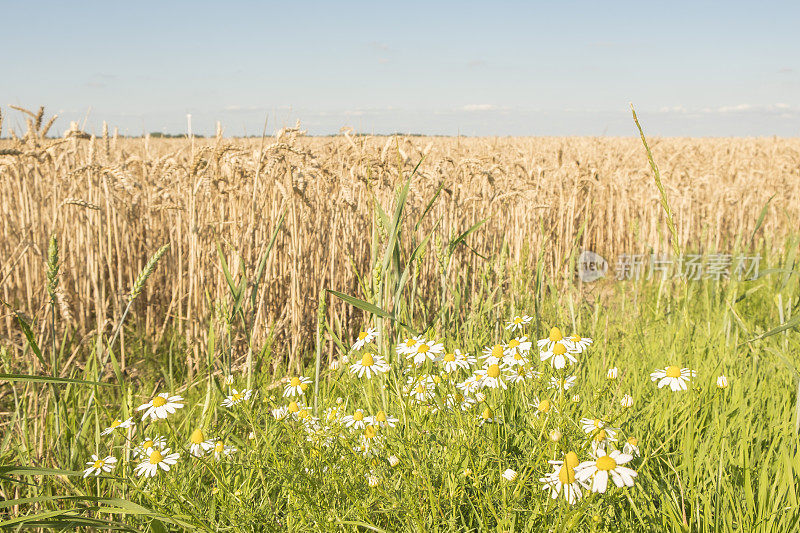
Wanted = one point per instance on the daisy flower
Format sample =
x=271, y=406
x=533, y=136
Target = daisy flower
x=279, y=413
x=517, y=322
x=470, y=384
x=454, y=360
x=590, y=425
x=558, y=355
x=393, y=460
x=520, y=345
x=488, y=416
x=144, y=447
x=409, y=346
x=236, y=397
x=356, y=420
x=369, y=364
x=365, y=337
x=722, y=382
x=509, y=475
x=381, y=419
x=491, y=376
x=579, y=344
x=118, y=424
x=562, y=480
x=459, y=400
x=420, y=389
x=631, y=447
x=602, y=437
x=221, y=450
x=199, y=445
x=493, y=354
x=228, y=380
x=161, y=406
x=598, y=470
x=626, y=401
x=612, y=373
x=297, y=386
x=542, y=407
x=554, y=337
x=97, y=465
x=674, y=376
x=425, y=350
x=565, y=384
x=157, y=459
x=372, y=480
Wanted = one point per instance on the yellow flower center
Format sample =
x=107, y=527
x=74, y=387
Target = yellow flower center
x=517, y=320
x=459, y=397
x=559, y=349
x=673, y=372
x=304, y=387
x=487, y=414
x=358, y=416
x=147, y=444
x=576, y=338
x=423, y=348
x=450, y=357
x=410, y=343
x=362, y=335
x=493, y=371
x=513, y=343
x=295, y=382
x=381, y=416
x=115, y=423
x=571, y=459
x=606, y=463
x=155, y=457
x=566, y=475
x=370, y=432
x=303, y=414
x=544, y=406
x=219, y=447
x=235, y=398
x=497, y=351
x=437, y=379
x=601, y=436
x=633, y=441
x=555, y=335
x=293, y=407
x=98, y=463
x=158, y=401
x=518, y=356
x=420, y=389
x=597, y=423
x=367, y=360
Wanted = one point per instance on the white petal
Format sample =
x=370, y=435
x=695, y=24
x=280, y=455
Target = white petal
x=600, y=483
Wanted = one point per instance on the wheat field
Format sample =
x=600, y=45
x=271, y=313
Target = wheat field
x=113, y=201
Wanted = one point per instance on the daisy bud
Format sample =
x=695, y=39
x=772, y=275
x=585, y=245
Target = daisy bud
x=576, y=398
x=393, y=460
x=480, y=397
x=555, y=435
x=252, y=435
x=334, y=365
x=372, y=480
x=722, y=382
x=345, y=359
x=626, y=401
x=612, y=373
x=510, y=475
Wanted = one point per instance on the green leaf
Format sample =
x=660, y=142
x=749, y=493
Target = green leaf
x=35, y=471
x=51, y=379
x=368, y=307
x=761, y=218
x=791, y=323
x=26, y=329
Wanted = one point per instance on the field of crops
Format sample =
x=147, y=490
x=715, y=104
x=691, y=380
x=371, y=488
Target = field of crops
x=389, y=334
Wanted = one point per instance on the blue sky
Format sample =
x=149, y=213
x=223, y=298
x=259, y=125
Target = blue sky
x=475, y=68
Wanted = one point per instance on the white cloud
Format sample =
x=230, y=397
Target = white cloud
x=480, y=107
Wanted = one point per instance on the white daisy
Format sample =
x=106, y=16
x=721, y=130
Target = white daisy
x=279, y=413
x=237, y=397
x=565, y=384
x=157, y=459
x=469, y=385
x=144, y=447
x=493, y=354
x=562, y=480
x=393, y=460
x=488, y=416
x=420, y=389
x=554, y=337
x=542, y=407
x=409, y=346
x=221, y=450
x=199, y=445
x=381, y=419
x=518, y=322
x=370, y=364
x=612, y=373
x=372, y=480
x=491, y=376
x=579, y=344
x=459, y=400
x=425, y=350
x=97, y=465
x=722, y=382
x=598, y=470
x=356, y=420
x=452, y=361
x=631, y=447
x=118, y=424
x=509, y=474
x=161, y=406
x=519, y=345
x=626, y=401
x=558, y=355
x=365, y=337
x=297, y=386
x=674, y=376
